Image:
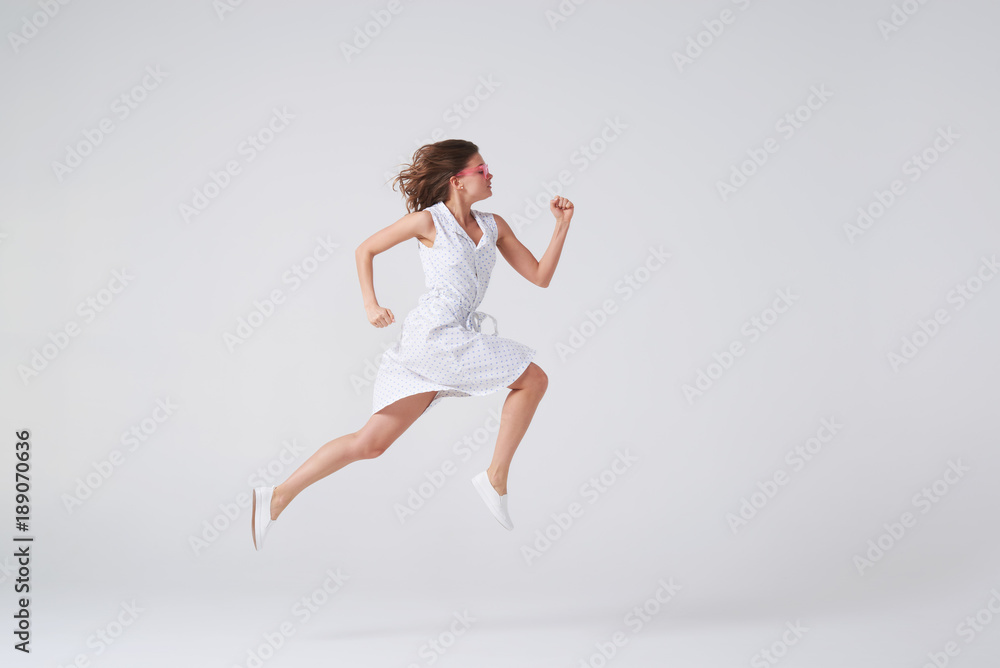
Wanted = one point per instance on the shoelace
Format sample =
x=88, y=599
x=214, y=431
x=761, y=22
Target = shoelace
x=475, y=322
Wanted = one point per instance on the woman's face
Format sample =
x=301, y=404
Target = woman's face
x=477, y=179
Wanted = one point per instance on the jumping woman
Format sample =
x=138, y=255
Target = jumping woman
x=441, y=350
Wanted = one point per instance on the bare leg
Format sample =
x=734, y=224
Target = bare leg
x=370, y=441
x=518, y=409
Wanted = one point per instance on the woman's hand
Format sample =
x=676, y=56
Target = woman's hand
x=378, y=316
x=562, y=209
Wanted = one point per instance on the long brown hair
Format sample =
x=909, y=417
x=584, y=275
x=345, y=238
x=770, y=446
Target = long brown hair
x=424, y=182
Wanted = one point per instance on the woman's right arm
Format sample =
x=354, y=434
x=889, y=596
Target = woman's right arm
x=410, y=226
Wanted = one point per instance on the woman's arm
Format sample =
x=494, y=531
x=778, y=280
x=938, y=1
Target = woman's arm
x=520, y=258
x=412, y=225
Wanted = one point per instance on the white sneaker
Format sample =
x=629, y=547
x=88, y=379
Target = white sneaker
x=260, y=516
x=496, y=503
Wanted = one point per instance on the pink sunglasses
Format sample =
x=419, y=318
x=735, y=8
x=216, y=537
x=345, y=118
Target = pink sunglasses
x=482, y=169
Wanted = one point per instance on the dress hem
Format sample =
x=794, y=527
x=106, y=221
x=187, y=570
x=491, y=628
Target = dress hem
x=444, y=391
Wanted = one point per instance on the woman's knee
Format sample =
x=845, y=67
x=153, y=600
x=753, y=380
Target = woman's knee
x=541, y=379
x=370, y=446
x=536, y=379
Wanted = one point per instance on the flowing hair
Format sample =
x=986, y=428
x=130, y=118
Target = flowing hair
x=424, y=182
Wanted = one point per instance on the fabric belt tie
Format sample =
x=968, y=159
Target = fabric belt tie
x=475, y=322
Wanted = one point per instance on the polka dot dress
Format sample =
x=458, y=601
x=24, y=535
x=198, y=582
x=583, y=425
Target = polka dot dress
x=441, y=345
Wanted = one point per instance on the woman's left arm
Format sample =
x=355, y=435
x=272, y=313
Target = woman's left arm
x=520, y=258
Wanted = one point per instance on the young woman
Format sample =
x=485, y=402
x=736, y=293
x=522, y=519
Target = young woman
x=441, y=351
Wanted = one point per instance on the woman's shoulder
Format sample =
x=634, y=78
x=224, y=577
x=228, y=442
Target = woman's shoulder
x=431, y=211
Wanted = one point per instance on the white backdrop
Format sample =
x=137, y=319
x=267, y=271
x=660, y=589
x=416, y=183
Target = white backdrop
x=769, y=433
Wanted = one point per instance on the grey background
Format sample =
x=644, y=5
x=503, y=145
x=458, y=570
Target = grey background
x=304, y=376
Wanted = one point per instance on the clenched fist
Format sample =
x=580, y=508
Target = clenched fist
x=561, y=208
x=378, y=316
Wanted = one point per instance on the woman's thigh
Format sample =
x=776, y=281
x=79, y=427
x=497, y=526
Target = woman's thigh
x=388, y=424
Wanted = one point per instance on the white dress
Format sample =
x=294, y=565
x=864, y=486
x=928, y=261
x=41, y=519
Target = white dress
x=441, y=346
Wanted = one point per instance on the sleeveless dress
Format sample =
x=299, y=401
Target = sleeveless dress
x=441, y=345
